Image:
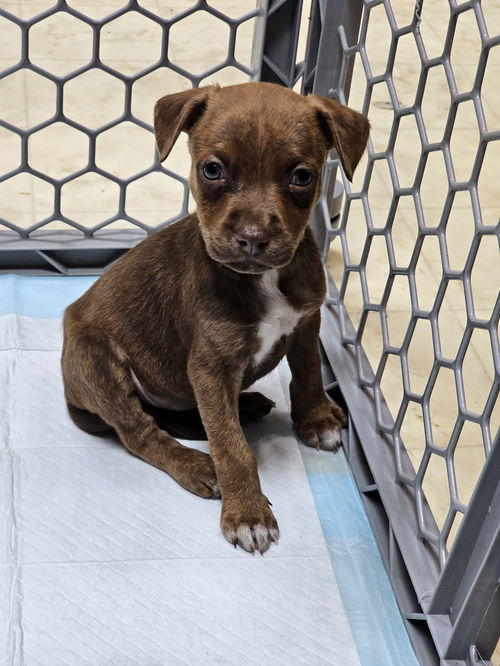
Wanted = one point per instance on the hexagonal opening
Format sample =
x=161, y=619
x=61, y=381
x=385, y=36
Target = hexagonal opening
x=434, y=115
x=127, y=55
x=491, y=17
x=487, y=185
x=381, y=114
x=227, y=76
x=89, y=199
x=377, y=268
x=391, y=384
x=412, y=433
x=428, y=273
x=33, y=96
x=478, y=371
x=404, y=233
x=407, y=151
x=169, y=9
x=60, y=43
x=371, y=339
x=485, y=277
x=489, y=86
x=358, y=85
x=494, y=420
x=403, y=13
x=27, y=11
x=244, y=41
x=464, y=141
x=336, y=264
x=434, y=27
x=452, y=319
x=398, y=310
x=436, y=488
x=58, y=150
x=125, y=150
x=121, y=229
x=443, y=407
x=194, y=30
x=154, y=199
x=355, y=231
x=56, y=226
x=97, y=10
x=10, y=45
x=420, y=356
x=406, y=70
x=147, y=90
x=434, y=188
x=468, y=460
x=11, y=150
x=466, y=49
x=94, y=98
x=459, y=231
x=21, y=196
x=455, y=526
x=380, y=192
x=353, y=297
x=378, y=40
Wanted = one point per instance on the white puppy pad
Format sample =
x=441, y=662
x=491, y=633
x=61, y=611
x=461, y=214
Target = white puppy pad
x=105, y=560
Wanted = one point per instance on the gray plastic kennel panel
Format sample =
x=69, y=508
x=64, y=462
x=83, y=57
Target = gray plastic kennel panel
x=443, y=556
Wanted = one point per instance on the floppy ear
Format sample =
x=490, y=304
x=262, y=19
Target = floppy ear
x=345, y=130
x=175, y=113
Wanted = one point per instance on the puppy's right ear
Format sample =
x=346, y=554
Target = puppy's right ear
x=176, y=113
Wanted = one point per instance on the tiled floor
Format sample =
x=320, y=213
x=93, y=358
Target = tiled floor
x=131, y=43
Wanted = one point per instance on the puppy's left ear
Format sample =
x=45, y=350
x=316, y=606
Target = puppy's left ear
x=175, y=113
x=345, y=130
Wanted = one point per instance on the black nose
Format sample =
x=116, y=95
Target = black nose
x=252, y=240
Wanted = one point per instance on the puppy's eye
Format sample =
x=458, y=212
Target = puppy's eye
x=212, y=171
x=301, y=177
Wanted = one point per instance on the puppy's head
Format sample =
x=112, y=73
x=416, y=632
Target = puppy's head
x=257, y=155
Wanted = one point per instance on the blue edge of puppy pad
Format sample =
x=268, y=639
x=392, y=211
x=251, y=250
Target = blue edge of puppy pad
x=375, y=621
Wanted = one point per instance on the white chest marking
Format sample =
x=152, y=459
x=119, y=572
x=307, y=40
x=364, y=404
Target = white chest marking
x=280, y=317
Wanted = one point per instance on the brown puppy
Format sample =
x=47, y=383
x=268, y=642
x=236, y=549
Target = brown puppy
x=201, y=309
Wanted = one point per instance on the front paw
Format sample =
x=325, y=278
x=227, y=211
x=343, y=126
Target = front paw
x=249, y=523
x=321, y=428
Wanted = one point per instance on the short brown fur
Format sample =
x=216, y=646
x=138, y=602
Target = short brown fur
x=182, y=309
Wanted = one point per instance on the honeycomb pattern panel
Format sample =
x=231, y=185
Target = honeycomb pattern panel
x=416, y=267
x=78, y=83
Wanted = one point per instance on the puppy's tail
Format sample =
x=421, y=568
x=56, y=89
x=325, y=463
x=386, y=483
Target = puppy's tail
x=88, y=422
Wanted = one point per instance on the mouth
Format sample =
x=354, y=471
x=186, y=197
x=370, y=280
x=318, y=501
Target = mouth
x=247, y=266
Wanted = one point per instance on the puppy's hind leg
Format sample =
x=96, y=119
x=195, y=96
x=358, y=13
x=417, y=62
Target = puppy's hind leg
x=253, y=406
x=187, y=424
x=86, y=421
x=97, y=380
